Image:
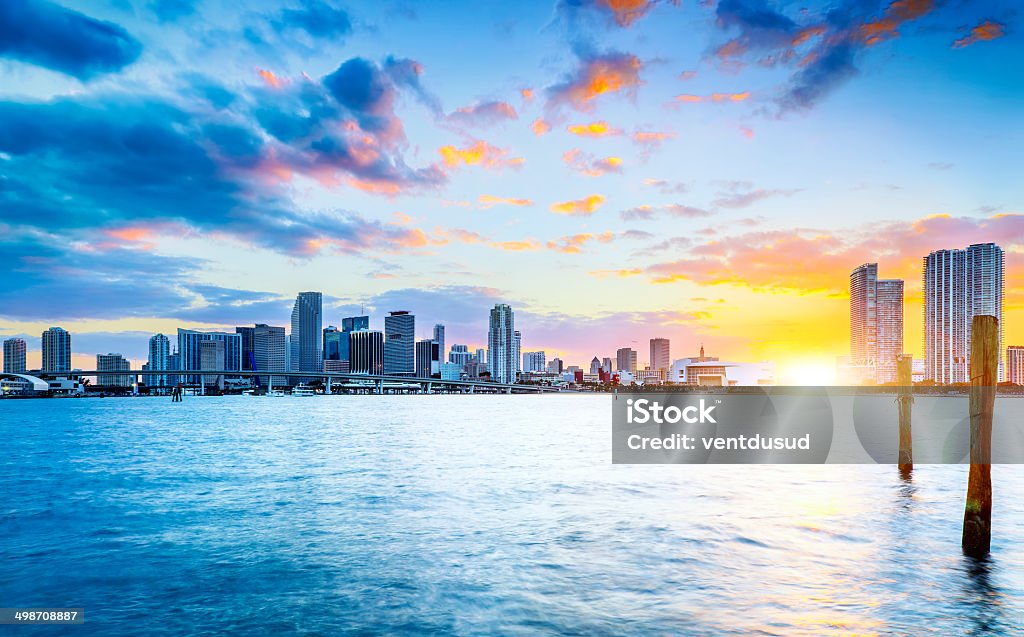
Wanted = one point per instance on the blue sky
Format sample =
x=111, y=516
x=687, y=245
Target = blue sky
x=176, y=163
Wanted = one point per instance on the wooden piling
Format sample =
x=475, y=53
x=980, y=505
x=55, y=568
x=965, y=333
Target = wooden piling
x=977, y=535
x=905, y=402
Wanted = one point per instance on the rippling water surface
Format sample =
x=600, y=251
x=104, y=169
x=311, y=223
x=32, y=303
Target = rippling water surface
x=469, y=515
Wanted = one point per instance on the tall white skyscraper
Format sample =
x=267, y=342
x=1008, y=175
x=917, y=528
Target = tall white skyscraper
x=517, y=344
x=959, y=285
x=876, y=322
x=56, y=350
x=159, y=352
x=307, y=339
x=501, y=345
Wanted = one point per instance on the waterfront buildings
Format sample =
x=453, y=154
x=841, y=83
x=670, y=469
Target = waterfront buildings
x=625, y=359
x=355, y=323
x=606, y=365
x=14, y=355
x=332, y=356
x=439, y=339
x=159, y=352
x=366, y=351
x=481, y=357
x=712, y=372
x=958, y=285
x=661, y=360
x=212, y=357
x=268, y=353
x=534, y=361
x=460, y=355
x=189, y=342
x=399, y=343
x=428, y=358
x=1015, y=364
x=56, y=350
x=517, y=348
x=876, y=324
x=307, y=333
x=556, y=366
x=501, y=344
x=595, y=365
x=113, y=363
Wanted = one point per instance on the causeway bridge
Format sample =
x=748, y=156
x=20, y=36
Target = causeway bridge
x=377, y=383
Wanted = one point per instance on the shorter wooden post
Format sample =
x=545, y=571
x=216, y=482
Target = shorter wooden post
x=977, y=535
x=905, y=401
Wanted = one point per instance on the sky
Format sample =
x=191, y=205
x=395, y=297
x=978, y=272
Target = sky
x=615, y=170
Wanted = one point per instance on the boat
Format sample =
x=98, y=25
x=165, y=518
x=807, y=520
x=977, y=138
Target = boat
x=303, y=390
x=275, y=393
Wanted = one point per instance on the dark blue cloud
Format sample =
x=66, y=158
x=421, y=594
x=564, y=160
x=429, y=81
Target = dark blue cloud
x=172, y=10
x=810, y=85
x=316, y=18
x=360, y=86
x=51, y=36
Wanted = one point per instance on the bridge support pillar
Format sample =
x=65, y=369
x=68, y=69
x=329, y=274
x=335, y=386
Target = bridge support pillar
x=380, y=387
x=430, y=388
x=508, y=390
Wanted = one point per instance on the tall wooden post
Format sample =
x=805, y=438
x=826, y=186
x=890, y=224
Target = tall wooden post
x=905, y=401
x=977, y=536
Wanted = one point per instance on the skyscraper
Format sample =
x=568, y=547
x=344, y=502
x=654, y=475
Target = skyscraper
x=14, y=355
x=517, y=344
x=1015, y=364
x=189, y=343
x=366, y=350
x=428, y=361
x=307, y=333
x=661, y=359
x=355, y=323
x=876, y=323
x=481, y=356
x=333, y=347
x=606, y=365
x=625, y=359
x=460, y=354
x=268, y=353
x=439, y=339
x=959, y=285
x=399, y=343
x=212, y=357
x=595, y=365
x=56, y=350
x=501, y=345
x=159, y=352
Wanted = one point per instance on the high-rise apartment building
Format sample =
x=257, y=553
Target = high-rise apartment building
x=625, y=359
x=959, y=285
x=534, y=361
x=14, y=355
x=428, y=358
x=113, y=363
x=56, y=350
x=268, y=354
x=189, y=342
x=876, y=323
x=460, y=355
x=501, y=344
x=399, y=343
x=159, y=352
x=439, y=339
x=517, y=344
x=661, y=359
x=1015, y=364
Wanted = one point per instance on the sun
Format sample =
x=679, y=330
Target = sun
x=809, y=373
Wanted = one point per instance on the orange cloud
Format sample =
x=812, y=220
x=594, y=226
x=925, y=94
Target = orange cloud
x=987, y=30
x=714, y=97
x=582, y=207
x=270, y=78
x=593, y=129
x=626, y=12
x=483, y=113
x=516, y=246
x=489, y=201
x=479, y=154
x=540, y=127
x=527, y=94
x=574, y=244
x=611, y=73
x=895, y=15
x=376, y=187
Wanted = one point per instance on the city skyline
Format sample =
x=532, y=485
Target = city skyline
x=609, y=179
